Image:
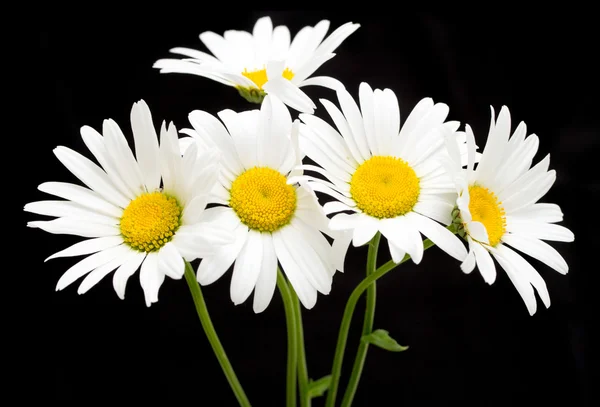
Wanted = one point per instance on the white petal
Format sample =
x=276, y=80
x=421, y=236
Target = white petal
x=335, y=206
x=469, y=263
x=213, y=267
x=493, y=152
x=100, y=272
x=83, y=196
x=478, y=232
x=307, y=294
x=211, y=131
x=404, y=235
x=396, y=253
x=336, y=38
x=442, y=237
x=526, y=180
x=281, y=42
x=215, y=72
x=274, y=130
x=91, y=175
x=130, y=266
x=537, y=189
x=371, y=126
x=267, y=279
x=170, y=261
x=194, y=209
x=218, y=46
x=339, y=248
x=151, y=278
x=74, y=226
x=310, y=67
x=242, y=127
x=170, y=162
x=344, y=129
x=344, y=221
x=324, y=81
x=316, y=270
x=247, y=268
x=96, y=144
x=539, y=250
x=544, y=231
x=355, y=122
x=413, y=119
x=69, y=209
x=122, y=158
x=435, y=209
x=367, y=226
x=262, y=36
x=88, y=264
x=519, y=280
x=539, y=212
x=324, y=155
x=320, y=187
x=523, y=267
x=192, y=53
x=146, y=144
x=328, y=140
x=387, y=119
x=88, y=246
x=290, y=94
x=485, y=264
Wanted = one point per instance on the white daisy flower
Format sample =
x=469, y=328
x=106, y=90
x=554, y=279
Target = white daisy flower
x=272, y=219
x=132, y=222
x=497, y=207
x=264, y=61
x=388, y=178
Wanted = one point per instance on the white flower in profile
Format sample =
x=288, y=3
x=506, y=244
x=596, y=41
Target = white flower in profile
x=266, y=61
x=389, y=179
x=498, y=207
x=273, y=219
x=129, y=218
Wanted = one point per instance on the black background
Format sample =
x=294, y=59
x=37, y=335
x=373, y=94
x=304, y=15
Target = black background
x=470, y=343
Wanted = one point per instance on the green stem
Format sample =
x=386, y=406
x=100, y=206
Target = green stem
x=211, y=334
x=361, y=353
x=290, y=317
x=302, y=367
x=336, y=369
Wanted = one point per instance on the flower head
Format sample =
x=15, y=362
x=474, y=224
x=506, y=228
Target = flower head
x=388, y=178
x=264, y=61
x=273, y=219
x=497, y=208
x=131, y=219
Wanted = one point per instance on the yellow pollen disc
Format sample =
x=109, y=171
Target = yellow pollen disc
x=259, y=77
x=385, y=187
x=262, y=199
x=485, y=208
x=150, y=221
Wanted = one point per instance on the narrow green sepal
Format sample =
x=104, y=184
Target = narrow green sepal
x=252, y=95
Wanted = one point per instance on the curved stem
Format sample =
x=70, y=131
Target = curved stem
x=290, y=317
x=211, y=334
x=336, y=369
x=361, y=353
x=302, y=367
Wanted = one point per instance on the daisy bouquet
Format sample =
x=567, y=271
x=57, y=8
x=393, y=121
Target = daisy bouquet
x=278, y=194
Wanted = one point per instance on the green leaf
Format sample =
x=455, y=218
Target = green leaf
x=381, y=338
x=316, y=388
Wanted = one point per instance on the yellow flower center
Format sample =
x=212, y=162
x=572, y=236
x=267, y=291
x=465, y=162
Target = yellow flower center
x=485, y=208
x=259, y=77
x=150, y=220
x=385, y=187
x=262, y=199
